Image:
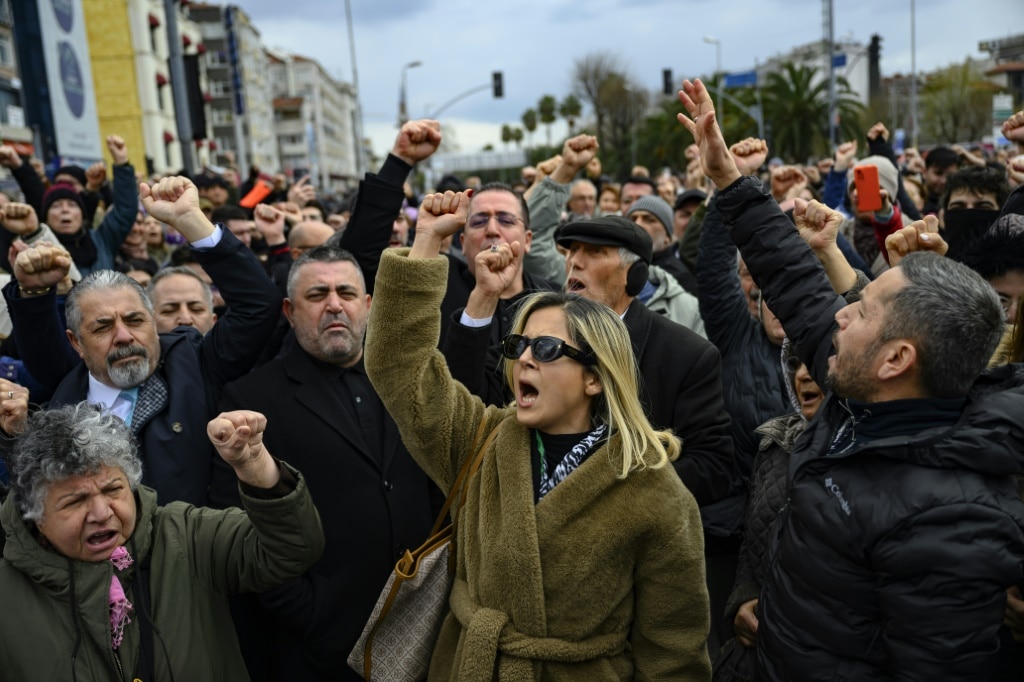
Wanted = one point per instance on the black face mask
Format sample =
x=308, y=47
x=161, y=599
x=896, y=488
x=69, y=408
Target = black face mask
x=962, y=225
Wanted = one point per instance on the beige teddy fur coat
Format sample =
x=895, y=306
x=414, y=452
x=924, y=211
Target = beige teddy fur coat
x=602, y=580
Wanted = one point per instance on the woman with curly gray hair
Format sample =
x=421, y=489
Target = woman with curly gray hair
x=116, y=585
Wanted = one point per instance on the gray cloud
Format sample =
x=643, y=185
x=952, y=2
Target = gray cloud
x=534, y=42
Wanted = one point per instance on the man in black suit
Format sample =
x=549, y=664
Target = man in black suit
x=165, y=386
x=374, y=501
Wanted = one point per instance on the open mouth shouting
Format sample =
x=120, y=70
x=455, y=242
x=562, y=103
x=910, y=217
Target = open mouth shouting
x=526, y=394
x=574, y=285
x=102, y=540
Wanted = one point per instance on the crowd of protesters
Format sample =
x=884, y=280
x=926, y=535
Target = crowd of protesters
x=745, y=419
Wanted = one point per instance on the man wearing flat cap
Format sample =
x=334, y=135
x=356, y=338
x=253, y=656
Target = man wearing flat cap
x=608, y=262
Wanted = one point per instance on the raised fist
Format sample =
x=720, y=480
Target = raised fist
x=118, y=149
x=19, y=219
x=417, y=140
x=41, y=265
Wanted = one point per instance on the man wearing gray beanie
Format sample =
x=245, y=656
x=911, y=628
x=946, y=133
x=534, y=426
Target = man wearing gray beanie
x=655, y=215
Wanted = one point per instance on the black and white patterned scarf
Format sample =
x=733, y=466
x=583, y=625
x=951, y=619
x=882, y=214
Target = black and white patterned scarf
x=570, y=462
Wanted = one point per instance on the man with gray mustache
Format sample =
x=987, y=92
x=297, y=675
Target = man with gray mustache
x=164, y=386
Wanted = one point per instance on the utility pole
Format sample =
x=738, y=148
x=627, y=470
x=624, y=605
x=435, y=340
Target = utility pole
x=829, y=40
x=181, y=114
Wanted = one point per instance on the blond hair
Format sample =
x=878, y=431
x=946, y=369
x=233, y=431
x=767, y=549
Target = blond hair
x=595, y=328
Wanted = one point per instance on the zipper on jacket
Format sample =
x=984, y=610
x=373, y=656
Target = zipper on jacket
x=117, y=661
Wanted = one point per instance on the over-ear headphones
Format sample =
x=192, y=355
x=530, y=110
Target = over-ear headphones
x=636, y=278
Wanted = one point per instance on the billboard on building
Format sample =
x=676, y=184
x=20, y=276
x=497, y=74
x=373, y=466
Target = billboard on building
x=69, y=73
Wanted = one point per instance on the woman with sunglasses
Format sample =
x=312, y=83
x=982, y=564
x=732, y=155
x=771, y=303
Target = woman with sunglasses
x=578, y=551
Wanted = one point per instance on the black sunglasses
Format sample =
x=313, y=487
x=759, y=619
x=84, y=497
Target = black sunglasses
x=544, y=348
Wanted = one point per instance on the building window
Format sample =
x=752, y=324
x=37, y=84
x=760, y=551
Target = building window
x=216, y=58
x=220, y=88
x=6, y=51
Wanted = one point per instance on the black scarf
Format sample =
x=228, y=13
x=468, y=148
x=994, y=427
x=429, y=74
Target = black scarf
x=81, y=247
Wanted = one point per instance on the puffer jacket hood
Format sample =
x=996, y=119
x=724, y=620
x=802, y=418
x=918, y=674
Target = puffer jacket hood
x=674, y=302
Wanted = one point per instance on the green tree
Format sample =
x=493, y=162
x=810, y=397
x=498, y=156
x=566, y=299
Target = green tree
x=570, y=109
x=506, y=134
x=956, y=104
x=547, y=110
x=530, y=124
x=796, y=111
x=517, y=136
x=662, y=139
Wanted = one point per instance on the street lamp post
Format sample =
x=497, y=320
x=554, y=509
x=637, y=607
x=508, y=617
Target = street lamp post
x=913, y=76
x=719, y=104
x=403, y=109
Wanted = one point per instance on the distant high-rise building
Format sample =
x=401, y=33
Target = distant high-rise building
x=314, y=117
x=1007, y=71
x=13, y=128
x=241, y=101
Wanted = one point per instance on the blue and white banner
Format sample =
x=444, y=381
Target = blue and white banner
x=69, y=73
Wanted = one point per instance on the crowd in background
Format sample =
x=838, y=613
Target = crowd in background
x=169, y=301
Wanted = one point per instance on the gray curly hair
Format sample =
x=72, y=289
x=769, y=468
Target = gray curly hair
x=65, y=442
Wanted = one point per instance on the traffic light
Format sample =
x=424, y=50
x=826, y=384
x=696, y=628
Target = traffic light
x=667, y=86
x=497, y=85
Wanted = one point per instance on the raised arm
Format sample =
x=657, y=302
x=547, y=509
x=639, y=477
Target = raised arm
x=380, y=196
x=545, y=204
x=878, y=145
x=819, y=225
x=26, y=177
x=794, y=283
x=834, y=191
x=436, y=415
x=276, y=538
x=235, y=343
x=467, y=345
x=920, y=235
x=120, y=217
x=31, y=297
x=723, y=305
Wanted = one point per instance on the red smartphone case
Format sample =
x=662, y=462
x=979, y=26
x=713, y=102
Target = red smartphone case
x=869, y=198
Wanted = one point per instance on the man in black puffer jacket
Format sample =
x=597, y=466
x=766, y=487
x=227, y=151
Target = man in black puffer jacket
x=904, y=527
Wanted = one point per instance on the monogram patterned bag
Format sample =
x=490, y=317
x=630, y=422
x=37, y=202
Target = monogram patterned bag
x=399, y=637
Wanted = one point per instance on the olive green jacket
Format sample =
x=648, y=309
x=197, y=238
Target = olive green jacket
x=197, y=557
x=603, y=579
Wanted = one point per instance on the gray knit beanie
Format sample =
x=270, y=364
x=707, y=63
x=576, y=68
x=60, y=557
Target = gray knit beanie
x=657, y=207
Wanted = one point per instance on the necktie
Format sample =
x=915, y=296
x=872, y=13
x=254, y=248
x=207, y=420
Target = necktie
x=129, y=396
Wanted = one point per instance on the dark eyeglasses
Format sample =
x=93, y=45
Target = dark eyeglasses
x=478, y=220
x=544, y=348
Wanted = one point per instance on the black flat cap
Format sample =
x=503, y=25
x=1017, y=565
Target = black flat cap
x=688, y=196
x=611, y=230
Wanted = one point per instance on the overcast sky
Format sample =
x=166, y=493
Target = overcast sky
x=534, y=42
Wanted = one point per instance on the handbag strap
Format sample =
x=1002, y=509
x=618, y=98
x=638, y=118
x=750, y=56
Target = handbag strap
x=466, y=472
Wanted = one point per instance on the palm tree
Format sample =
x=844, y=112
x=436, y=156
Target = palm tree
x=506, y=134
x=662, y=139
x=570, y=109
x=796, y=107
x=517, y=136
x=546, y=108
x=530, y=123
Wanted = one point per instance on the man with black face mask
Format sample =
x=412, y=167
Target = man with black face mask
x=970, y=206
